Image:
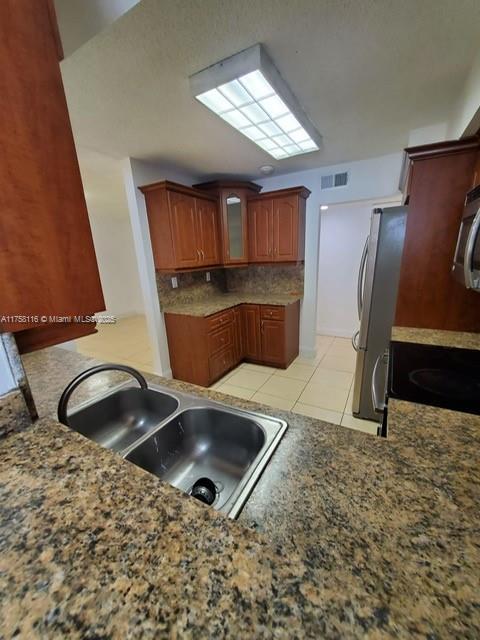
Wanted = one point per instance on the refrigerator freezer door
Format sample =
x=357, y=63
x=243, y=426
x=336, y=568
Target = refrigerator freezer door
x=381, y=285
x=370, y=261
x=361, y=278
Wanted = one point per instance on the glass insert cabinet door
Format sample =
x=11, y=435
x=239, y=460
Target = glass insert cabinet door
x=235, y=221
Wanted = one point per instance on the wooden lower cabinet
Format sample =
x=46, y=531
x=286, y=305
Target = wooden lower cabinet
x=273, y=341
x=203, y=349
x=251, y=331
x=238, y=344
x=278, y=329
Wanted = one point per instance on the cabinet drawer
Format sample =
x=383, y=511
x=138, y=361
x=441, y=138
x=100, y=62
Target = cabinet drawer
x=220, y=363
x=220, y=339
x=219, y=320
x=272, y=313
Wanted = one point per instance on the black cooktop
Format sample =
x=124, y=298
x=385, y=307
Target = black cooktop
x=438, y=376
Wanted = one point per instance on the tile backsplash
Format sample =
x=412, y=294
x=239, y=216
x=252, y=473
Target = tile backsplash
x=193, y=287
x=283, y=279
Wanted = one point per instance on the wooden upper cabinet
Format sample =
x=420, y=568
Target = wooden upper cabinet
x=187, y=233
x=207, y=231
x=277, y=226
x=47, y=259
x=439, y=177
x=285, y=229
x=232, y=198
x=184, y=226
x=183, y=221
x=476, y=172
x=260, y=230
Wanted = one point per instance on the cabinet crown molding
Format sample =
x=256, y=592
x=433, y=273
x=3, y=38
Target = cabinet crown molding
x=432, y=151
x=301, y=191
x=167, y=185
x=228, y=184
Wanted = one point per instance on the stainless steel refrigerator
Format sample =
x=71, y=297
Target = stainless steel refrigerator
x=376, y=300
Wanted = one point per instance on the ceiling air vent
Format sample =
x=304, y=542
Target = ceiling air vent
x=334, y=180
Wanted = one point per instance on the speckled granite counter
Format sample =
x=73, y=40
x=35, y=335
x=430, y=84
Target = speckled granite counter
x=214, y=304
x=458, y=339
x=345, y=535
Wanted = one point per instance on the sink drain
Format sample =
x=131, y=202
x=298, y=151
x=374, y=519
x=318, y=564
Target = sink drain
x=204, y=490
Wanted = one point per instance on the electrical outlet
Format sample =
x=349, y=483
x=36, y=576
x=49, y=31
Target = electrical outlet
x=174, y=282
x=207, y=276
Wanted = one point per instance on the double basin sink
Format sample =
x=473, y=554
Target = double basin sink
x=183, y=440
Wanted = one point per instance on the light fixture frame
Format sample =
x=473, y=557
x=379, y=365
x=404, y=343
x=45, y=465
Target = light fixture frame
x=252, y=59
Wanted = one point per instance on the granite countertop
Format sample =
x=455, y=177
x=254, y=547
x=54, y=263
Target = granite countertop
x=345, y=535
x=214, y=304
x=462, y=340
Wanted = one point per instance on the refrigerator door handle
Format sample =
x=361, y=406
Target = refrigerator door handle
x=378, y=386
x=361, y=276
x=355, y=340
x=468, y=259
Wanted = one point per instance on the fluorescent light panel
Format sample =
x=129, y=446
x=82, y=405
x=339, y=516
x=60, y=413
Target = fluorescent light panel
x=250, y=104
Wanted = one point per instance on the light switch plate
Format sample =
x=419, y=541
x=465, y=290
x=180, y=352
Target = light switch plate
x=174, y=282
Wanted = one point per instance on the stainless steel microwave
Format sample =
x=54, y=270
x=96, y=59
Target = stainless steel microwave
x=466, y=263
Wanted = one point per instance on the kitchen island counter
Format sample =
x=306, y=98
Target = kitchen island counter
x=344, y=535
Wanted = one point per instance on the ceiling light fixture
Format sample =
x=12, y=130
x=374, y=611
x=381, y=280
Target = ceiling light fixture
x=323, y=207
x=267, y=169
x=247, y=91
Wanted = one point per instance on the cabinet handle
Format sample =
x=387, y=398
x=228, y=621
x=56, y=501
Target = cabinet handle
x=203, y=254
x=198, y=254
x=262, y=326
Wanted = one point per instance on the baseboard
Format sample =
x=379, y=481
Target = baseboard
x=307, y=353
x=334, y=331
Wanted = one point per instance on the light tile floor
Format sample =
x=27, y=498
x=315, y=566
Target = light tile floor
x=125, y=342
x=320, y=387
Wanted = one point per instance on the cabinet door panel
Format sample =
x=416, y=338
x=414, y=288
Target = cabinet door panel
x=251, y=331
x=234, y=211
x=220, y=363
x=285, y=229
x=221, y=339
x=238, y=335
x=273, y=341
x=207, y=231
x=183, y=224
x=260, y=230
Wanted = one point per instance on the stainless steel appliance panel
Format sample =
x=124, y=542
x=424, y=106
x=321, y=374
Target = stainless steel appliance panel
x=385, y=247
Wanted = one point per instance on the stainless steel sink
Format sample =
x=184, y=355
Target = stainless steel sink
x=202, y=443
x=183, y=438
x=119, y=419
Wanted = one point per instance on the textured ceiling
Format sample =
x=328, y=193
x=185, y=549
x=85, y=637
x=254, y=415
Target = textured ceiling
x=80, y=20
x=366, y=72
